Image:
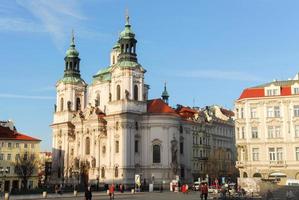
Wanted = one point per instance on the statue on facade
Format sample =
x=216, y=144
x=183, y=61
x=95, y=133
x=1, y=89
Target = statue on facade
x=110, y=97
x=127, y=94
x=55, y=107
x=69, y=104
x=76, y=161
x=93, y=162
x=96, y=102
x=174, y=150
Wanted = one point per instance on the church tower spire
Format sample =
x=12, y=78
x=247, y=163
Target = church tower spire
x=127, y=43
x=72, y=60
x=165, y=94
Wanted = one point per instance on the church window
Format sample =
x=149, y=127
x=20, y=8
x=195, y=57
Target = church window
x=136, y=126
x=182, y=172
x=59, y=172
x=116, y=172
x=103, y=172
x=61, y=104
x=118, y=92
x=156, y=154
x=181, y=147
x=78, y=104
x=136, y=146
x=71, y=65
x=87, y=146
x=127, y=48
x=122, y=48
x=136, y=93
x=59, y=152
x=181, y=129
x=116, y=146
x=104, y=149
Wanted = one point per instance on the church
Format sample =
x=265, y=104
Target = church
x=108, y=131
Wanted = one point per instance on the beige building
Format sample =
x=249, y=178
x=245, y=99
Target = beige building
x=213, y=146
x=267, y=130
x=12, y=145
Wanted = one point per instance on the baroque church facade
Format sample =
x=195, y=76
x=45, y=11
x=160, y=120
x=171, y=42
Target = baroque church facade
x=108, y=131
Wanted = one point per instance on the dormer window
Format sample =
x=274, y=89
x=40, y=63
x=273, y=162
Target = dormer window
x=272, y=92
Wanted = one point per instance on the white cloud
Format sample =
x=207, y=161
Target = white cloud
x=220, y=75
x=17, y=96
x=19, y=25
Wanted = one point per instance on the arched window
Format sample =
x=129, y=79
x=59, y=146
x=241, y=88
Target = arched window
x=127, y=48
x=245, y=175
x=71, y=65
x=102, y=172
x=156, y=153
x=122, y=48
x=98, y=100
x=136, y=93
x=257, y=175
x=116, y=172
x=78, y=104
x=87, y=146
x=61, y=104
x=118, y=92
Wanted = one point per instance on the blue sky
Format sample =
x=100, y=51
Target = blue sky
x=208, y=51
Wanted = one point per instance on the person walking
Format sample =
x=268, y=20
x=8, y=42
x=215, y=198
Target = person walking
x=204, y=191
x=111, y=192
x=88, y=193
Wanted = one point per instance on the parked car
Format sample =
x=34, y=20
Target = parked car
x=213, y=189
x=196, y=186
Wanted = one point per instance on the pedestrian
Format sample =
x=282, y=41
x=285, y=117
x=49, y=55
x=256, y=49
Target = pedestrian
x=187, y=187
x=204, y=191
x=269, y=195
x=290, y=195
x=88, y=193
x=111, y=192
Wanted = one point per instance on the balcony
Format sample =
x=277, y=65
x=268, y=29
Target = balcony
x=277, y=163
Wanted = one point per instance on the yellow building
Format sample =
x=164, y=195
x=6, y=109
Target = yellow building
x=267, y=131
x=12, y=145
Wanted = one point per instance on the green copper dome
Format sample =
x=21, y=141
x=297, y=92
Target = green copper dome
x=127, y=33
x=72, y=51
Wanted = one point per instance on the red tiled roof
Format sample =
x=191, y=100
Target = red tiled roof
x=252, y=92
x=227, y=113
x=186, y=112
x=286, y=91
x=7, y=134
x=158, y=106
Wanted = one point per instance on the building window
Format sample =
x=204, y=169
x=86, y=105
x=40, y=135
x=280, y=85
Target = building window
x=296, y=111
x=277, y=132
x=8, y=170
x=272, y=92
x=9, y=156
x=17, y=157
x=102, y=172
x=242, y=113
x=253, y=113
x=98, y=100
x=136, y=93
x=279, y=153
x=104, y=149
x=296, y=90
x=17, y=145
x=270, y=132
x=116, y=172
x=296, y=131
x=9, y=145
x=182, y=172
x=78, y=104
x=272, y=154
x=276, y=111
x=297, y=153
x=61, y=104
x=25, y=145
x=87, y=146
x=136, y=146
x=116, y=146
x=254, y=132
x=1, y=156
x=243, y=133
x=181, y=147
x=270, y=112
x=32, y=146
x=156, y=154
x=255, y=154
x=118, y=92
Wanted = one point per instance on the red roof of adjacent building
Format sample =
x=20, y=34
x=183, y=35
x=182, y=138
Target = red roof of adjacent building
x=186, y=112
x=227, y=113
x=158, y=106
x=252, y=92
x=8, y=134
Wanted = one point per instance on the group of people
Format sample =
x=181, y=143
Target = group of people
x=289, y=195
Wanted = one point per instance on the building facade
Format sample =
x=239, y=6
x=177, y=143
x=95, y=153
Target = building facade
x=12, y=145
x=267, y=131
x=108, y=131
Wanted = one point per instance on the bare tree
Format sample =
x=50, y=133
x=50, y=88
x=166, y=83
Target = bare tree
x=25, y=166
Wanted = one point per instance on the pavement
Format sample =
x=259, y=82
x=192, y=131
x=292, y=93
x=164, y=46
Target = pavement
x=166, y=195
